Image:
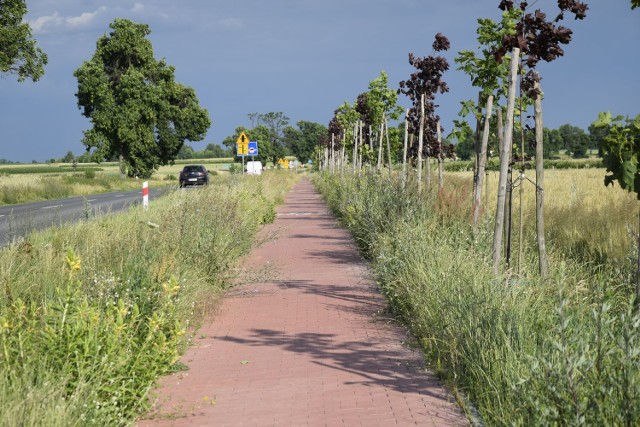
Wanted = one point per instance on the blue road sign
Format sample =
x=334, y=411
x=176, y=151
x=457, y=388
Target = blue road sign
x=253, y=148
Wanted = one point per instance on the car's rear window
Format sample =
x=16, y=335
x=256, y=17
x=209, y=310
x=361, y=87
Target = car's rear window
x=192, y=168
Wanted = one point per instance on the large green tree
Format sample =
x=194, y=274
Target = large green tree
x=275, y=123
x=139, y=113
x=553, y=142
x=597, y=137
x=18, y=52
x=575, y=139
x=302, y=141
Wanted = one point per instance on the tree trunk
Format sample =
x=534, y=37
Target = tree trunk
x=380, y=142
x=476, y=147
x=343, y=157
x=542, y=251
x=428, y=173
x=371, y=138
x=386, y=133
x=333, y=155
x=638, y=270
x=420, y=139
x=354, y=156
x=440, y=159
x=404, y=148
x=361, y=144
x=508, y=218
x=121, y=165
x=504, y=162
x=482, y=162
x=500, y=129
x=325, y=166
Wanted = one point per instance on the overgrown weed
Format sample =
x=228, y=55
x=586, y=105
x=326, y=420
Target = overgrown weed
x=564, y=350
x=92, y=313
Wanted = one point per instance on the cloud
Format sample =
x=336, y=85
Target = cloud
x=49, y=23
x=231, y=23
x=138, y=7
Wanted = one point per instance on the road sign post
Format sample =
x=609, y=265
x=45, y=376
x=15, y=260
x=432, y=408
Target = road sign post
x=242, y=147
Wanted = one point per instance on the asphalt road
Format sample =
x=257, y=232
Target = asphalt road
x=18, y=220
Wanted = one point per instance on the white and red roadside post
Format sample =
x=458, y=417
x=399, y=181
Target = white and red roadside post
x=145, y=195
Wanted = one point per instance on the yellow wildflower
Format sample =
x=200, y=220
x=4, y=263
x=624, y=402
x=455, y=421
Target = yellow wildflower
x=72, y=260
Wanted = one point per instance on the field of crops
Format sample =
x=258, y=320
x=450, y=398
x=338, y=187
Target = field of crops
x=521, y=349
x=29, y=183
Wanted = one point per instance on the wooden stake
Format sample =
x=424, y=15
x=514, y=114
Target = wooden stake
x=404, y=149
x=380, y=142
x=476, y=148
x=440, y=159
x=420, y=141
x=333, y=155
x=354, y=157
x=482, y=162
x=542, y=251
x=386, y=132
x=360, y=147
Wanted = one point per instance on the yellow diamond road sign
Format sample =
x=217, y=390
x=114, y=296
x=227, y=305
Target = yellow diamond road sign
x=242, y=139
x=243, y=144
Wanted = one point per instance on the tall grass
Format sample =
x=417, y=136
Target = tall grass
x=525, y=351
x=91, y=314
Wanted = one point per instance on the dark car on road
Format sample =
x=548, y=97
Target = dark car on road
x=194, y=175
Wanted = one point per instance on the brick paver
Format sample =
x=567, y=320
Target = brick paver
x=313, y=347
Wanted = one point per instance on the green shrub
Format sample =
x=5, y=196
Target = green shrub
x=235, y=169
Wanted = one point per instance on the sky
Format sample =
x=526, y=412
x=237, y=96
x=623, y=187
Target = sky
x=304, y=58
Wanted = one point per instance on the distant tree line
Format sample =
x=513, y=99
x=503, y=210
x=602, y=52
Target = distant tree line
x=572, y=140
x=7, y=162
x=211, y=151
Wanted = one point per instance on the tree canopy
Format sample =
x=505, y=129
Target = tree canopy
x=139, y=113
x=19, y=54
x=268, y=130
x=621, y=148
x=427, y=80
x=274, y=123
x=302, y=141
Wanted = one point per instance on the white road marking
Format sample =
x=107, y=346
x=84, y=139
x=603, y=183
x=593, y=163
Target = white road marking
x=52, y=207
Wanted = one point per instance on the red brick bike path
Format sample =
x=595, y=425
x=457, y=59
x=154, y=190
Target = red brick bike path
x=312, y=347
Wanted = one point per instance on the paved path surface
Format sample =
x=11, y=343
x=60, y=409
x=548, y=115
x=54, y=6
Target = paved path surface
x=313, y=347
